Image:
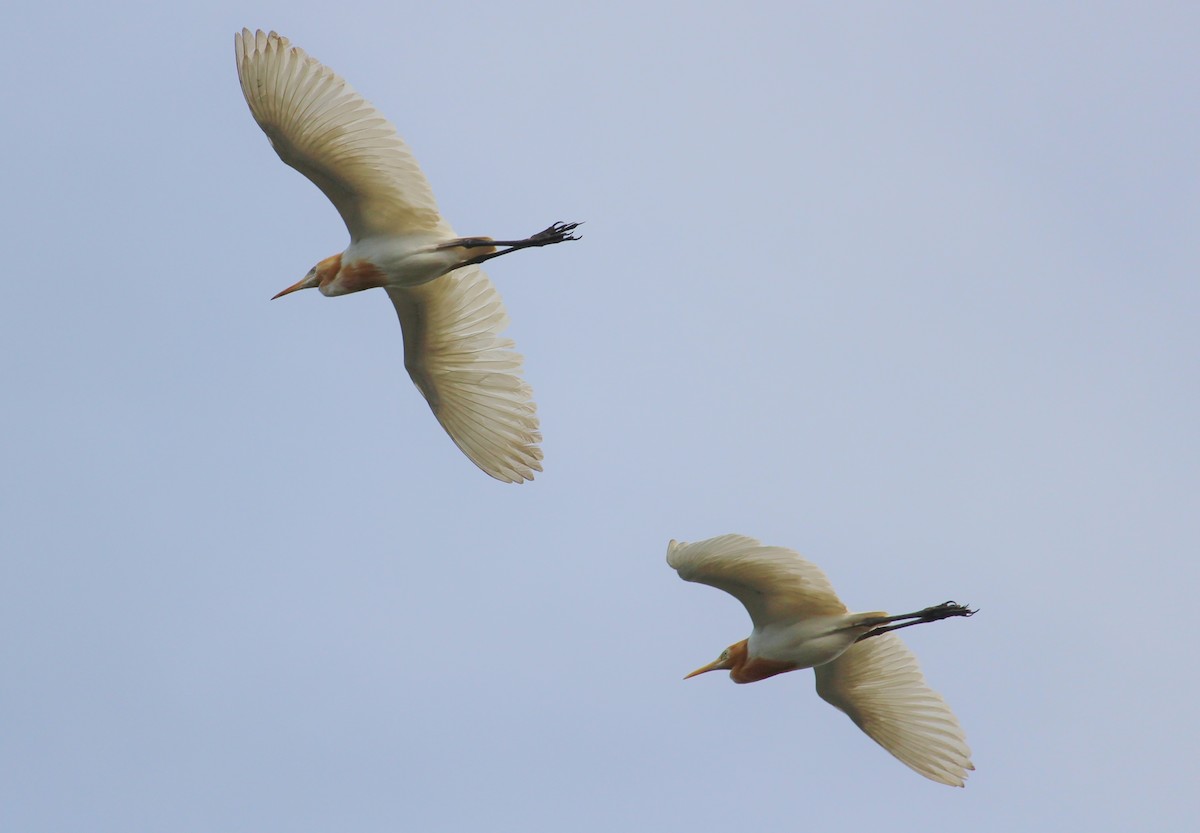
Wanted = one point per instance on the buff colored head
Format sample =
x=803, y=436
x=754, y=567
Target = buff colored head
x=318, y=276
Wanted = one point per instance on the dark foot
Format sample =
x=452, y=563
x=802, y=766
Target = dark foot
x=945, y=610
x=557, y=233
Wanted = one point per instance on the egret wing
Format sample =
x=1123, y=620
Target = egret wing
x=320, y=126
x=878, y=683
x=470, y=376
x=773, y=583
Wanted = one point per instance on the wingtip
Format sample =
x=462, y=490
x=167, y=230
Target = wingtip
x=253, y=41
x=673, y=546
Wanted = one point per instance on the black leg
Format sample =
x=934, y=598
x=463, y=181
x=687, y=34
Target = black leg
x=930, y=614
x=557, y=233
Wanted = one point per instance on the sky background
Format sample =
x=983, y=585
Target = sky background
x=912, y=291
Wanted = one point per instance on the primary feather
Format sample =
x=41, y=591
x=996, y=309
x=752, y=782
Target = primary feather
x=469, y=374
x=773, y=583
x=879, y=685
x=320, y=126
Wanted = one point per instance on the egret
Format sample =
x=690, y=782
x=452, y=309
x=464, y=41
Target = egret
x=450, y=313
x=862, y=669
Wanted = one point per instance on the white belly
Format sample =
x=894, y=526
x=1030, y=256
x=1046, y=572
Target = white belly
x=408, y=260
x=805, y=644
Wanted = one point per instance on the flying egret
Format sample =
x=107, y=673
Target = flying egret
x=799, y=622
x=449, y=311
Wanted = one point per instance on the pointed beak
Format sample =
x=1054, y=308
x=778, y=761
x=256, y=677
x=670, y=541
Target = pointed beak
x=307, y=283
x=712, y=666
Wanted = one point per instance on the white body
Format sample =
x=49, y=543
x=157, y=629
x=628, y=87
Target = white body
x=805, y=643
x=407, y=259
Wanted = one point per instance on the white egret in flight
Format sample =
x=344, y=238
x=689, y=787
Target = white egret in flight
x=449, y=311
x=861, y=668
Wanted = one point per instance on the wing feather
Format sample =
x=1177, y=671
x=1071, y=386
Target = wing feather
x=879, y=684
x=468, y=373
x=320, y=126
x=772, y=582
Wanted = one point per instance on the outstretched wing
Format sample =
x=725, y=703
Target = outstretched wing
x=470, y=376
x=878, y=683
x=772, y=582
x=320, y=126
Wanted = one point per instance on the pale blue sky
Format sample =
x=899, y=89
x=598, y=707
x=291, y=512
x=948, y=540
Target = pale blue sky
x=912, y=292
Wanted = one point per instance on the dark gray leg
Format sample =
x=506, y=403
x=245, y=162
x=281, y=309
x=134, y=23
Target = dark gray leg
x=557, y=233
x=930, y=614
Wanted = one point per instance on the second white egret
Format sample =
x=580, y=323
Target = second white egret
x=861, y=668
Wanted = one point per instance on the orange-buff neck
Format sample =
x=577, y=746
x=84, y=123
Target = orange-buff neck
x=746, y=670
